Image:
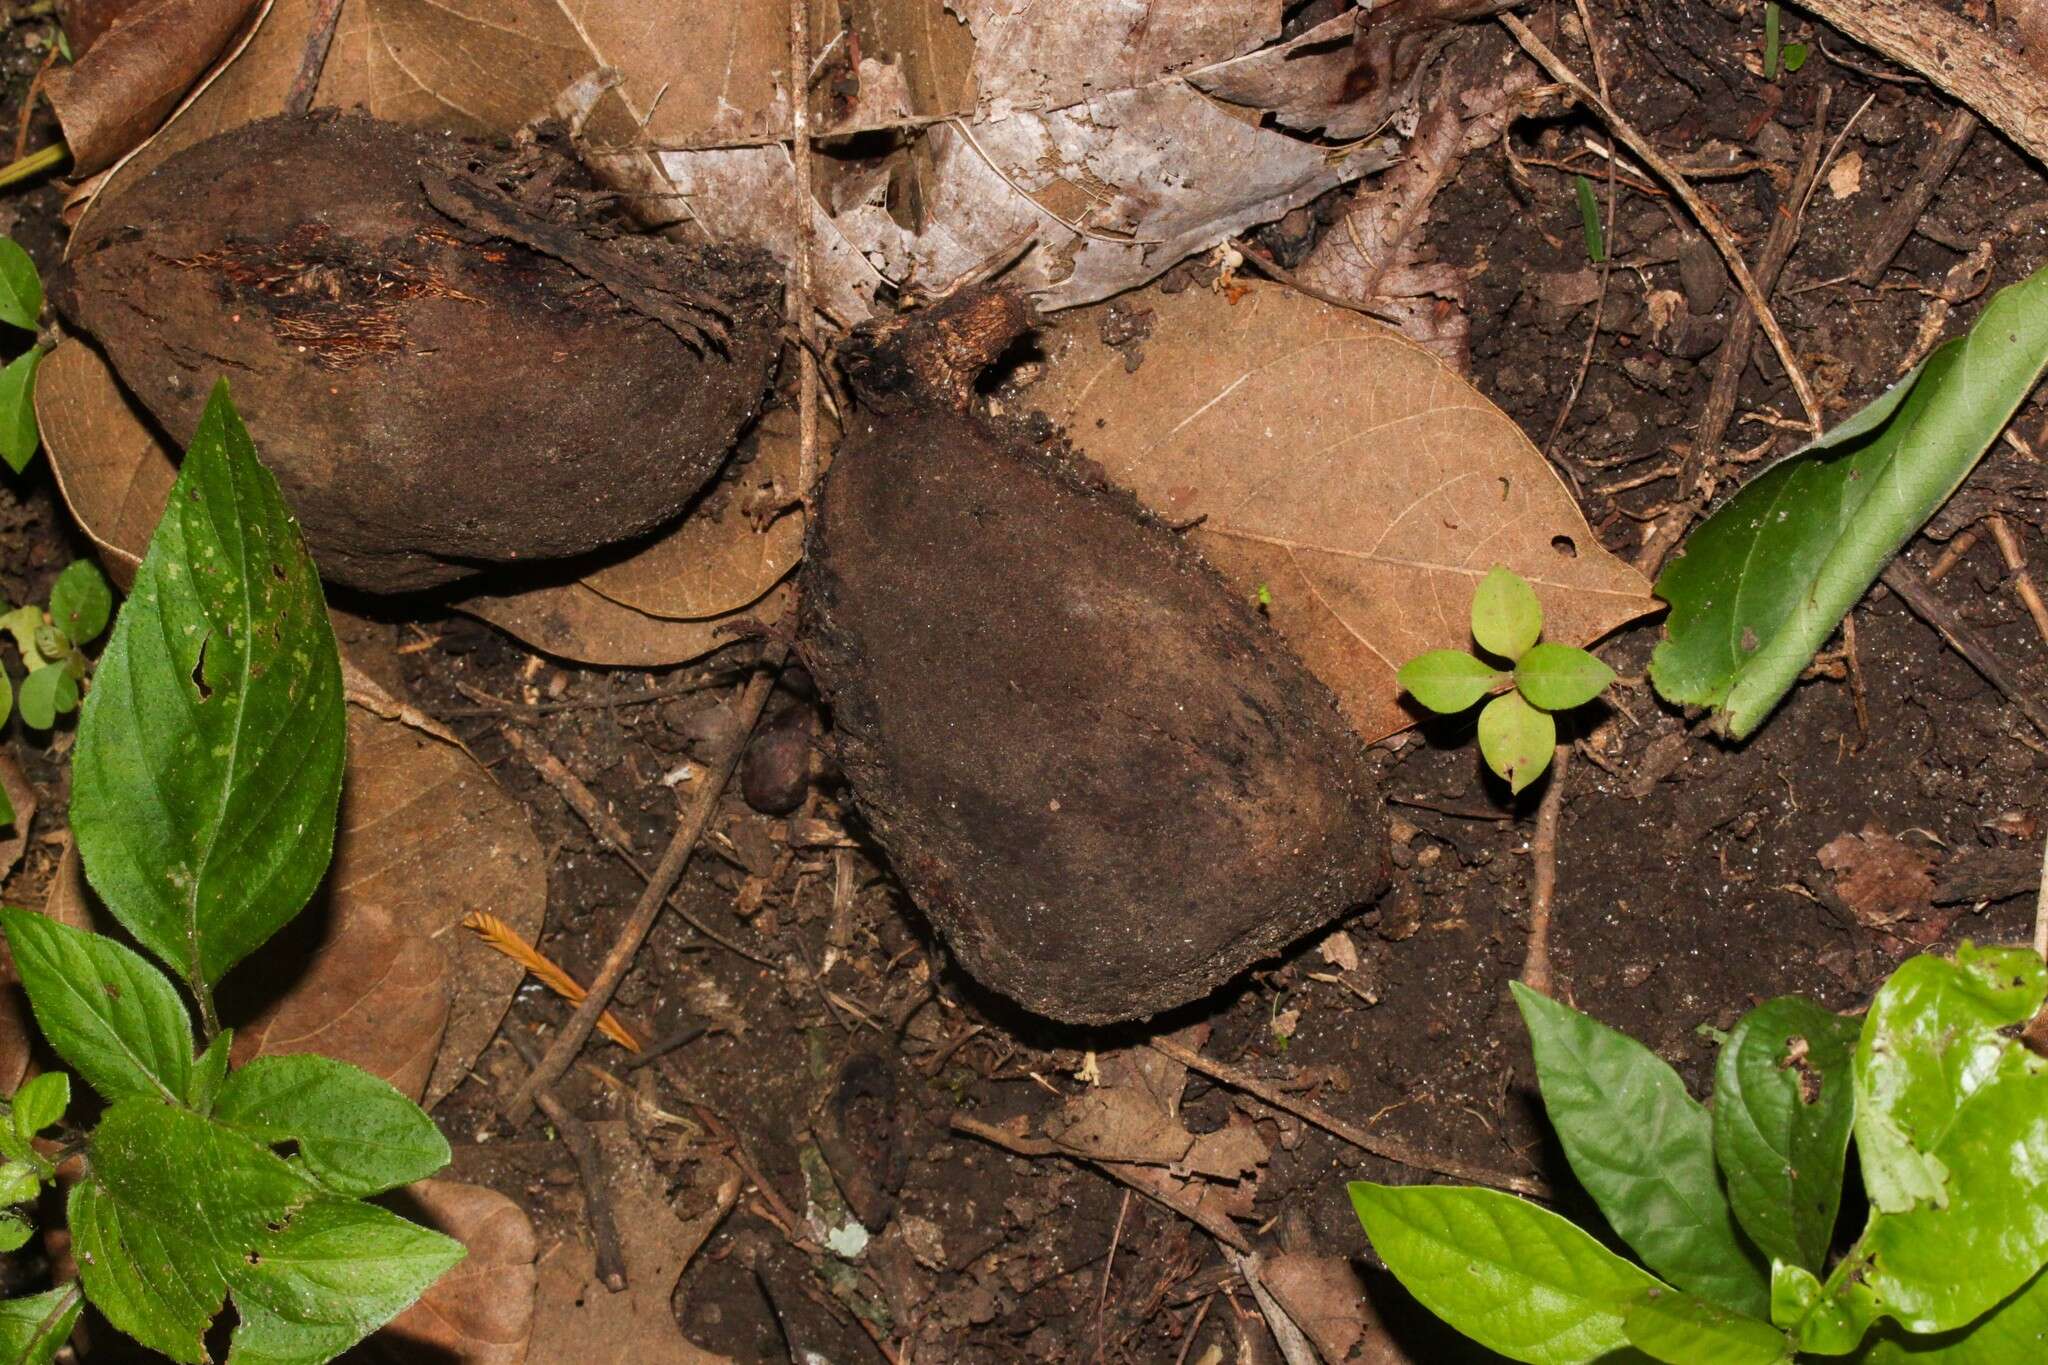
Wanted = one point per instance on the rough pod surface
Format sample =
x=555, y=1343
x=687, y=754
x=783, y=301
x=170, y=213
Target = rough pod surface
x=445, y=360
x=1102, y=776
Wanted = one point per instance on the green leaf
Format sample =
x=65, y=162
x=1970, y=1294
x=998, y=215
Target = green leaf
x=1644, y=1150
x=180, y=1211
x=22, y=623
x=46, y=694
x=33, y=1329
x=210, y=1072
x=1506, y=617
x=1448, y=680
x=1558, y=677
x=1953, y=1143
x=114, y=1017
x=1795, y=56
x=14, y=1232
x=2016, y=1330
x=1783, y=1102
x=339, y=1272
x=6, y=704
x=1516, y=1278
x=356, y=1134
x=1765, y=580
x=1589, y=220
x=1770, y=42
x=19, y=1182
x=209, y=754
x=1680, y=1329
x=40, y=1102
x=21, y=288
x=1516, y=739
x=81, y=603
x=19, y=436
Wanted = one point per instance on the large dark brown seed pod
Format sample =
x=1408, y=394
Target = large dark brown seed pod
x=1099, y=772
x=442, y=352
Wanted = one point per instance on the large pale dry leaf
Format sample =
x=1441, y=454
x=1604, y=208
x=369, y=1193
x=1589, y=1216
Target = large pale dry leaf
x=720, y=558
x=115, y=95
x=481, y=1312
x=113, y=471
x=1327, y=1300
x=1347, y=471
x=15, y=1028
x=576, y=1318
x=574, y=621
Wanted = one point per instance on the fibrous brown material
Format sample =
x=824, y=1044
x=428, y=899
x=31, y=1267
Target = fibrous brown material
x=446, y=358
x=1101, y=775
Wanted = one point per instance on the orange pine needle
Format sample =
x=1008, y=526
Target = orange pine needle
x=506, y=940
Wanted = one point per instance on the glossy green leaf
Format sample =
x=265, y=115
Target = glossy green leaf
x=209, y=753
x=21, y=288
x=1558, y=677
x=1506, y=617
x=1516, y=739
x=39, y=1102
x=1681, y=1329
x=1511, y=1275
x=1644, y=1149
x=46, y=694
x=355, y=1134
x=210, y=1072
x=109, y=1013
x=1952, y=1134
x=1783, y=1103
x=339, y=1272
x=2016, y=1330
x=19, y=436
x=1449, y=680
x=81, y=603
x=1763, y=582
x=14, y=1232
x=33, y=1329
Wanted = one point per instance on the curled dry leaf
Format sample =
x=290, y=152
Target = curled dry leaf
x=21, y=795
x=481, y=1312
x=1346, y=471
x=1327, y=1300
x=115, y=473
x=376, y=971
x=1888, y=884
x=117, y=93
x=15, y=1029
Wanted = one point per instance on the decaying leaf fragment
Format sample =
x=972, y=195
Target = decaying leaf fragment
x=1364, y=486
x=1106, y=781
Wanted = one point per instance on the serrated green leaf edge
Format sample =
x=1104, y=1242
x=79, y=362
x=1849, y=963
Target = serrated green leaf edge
x=106, y=1010
x=33, y=1329
x=1924, y=434
x=356, y=1134
x=1644, y=1149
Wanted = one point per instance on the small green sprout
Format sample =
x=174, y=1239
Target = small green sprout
x=52, y=644
x=1787, y=56
x=1589, y=218
x=1518, y=729
x=1263, y=597
x=21, y=306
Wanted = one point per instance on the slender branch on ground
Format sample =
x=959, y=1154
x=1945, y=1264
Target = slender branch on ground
x=1571, y=398
x=803, y=285
x=1964, y=640
x=1703, y=213
x=2016, y=564
x=575, y=1135
x=313, y=60
x=1392, y=1149
x=689, y=832
x=1280, y=274
x=1906, y=210
x=1543, y=874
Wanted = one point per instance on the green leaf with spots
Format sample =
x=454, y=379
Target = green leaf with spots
x=1558, y=677
x=109, y=1013
x=40, y=1102
x=1448, y=681
x=1506, y=617
x=1516, y=739
x=1783, y=1103
x=355, y=1134
x=1514, y=1277
x=209, y=754
x=1644, y=1149
x=81, y=603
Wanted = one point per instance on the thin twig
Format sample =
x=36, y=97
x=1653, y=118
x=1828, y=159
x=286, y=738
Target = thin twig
x=1906, y=210
x=1392, y=1149
x=1543, y=874
x=2041, y=907
x=689, y=832
x=319, y=37
x=1709, y=221
x=1571, y=398
x=1108, y=1266
x=488, y=705
x=1915, y=593
x=1735, y=351
x=1965, y=541
x=803, y=286
x=1280, y=274
x=575, y=1135
x=571, y=789
x=1287, y=1335
x=2016, y=565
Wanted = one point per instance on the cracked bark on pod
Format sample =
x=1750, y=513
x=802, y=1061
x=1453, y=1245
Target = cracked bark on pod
x=1102, y=776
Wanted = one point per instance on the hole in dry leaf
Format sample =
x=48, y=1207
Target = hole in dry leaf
x=1565, y=546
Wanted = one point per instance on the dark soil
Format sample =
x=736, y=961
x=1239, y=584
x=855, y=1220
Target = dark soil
x=1689, y=887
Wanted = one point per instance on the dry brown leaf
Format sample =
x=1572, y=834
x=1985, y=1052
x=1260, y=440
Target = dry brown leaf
x=16, y=1031
x=1365, y=485
x=576, y=622
x=720, y=558
x=1327, y=1300
x=576, y=1318
x=376, y=971
x=115, y=95
x=1886, y=883
x=21, y=795
x=481, y=1312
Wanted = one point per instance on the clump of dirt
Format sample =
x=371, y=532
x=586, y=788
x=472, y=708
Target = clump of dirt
x=1098, y=771
x=446, y=355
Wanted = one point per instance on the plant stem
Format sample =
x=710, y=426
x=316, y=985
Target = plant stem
x=34, y=164
x=209, y=1019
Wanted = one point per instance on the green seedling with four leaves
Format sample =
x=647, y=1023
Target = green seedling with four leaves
x=52, y=644
x=1517, y=729
x=21, y=307
x=1731, y=1209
